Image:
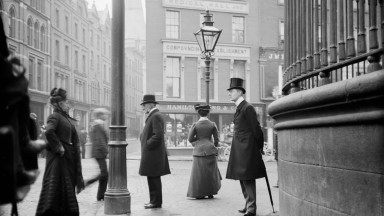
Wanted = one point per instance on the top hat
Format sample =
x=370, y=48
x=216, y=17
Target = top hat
x=202, y=107
x=236, y=83
x=149, y=99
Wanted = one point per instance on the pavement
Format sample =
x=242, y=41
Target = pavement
x=175, y=202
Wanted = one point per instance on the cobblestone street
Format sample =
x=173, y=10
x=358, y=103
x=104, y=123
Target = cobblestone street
x=175, y=186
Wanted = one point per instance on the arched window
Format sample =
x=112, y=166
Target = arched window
x=29, y=32
x=12, y=22
x=42, y=38
x=37, y=35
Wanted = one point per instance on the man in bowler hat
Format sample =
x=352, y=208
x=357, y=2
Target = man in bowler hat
x=154, y=159
x=245, y=161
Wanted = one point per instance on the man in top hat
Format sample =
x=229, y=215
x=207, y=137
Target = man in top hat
x=154, y=159
x=245, y=161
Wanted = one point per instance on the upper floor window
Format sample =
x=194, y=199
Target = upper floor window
x=31, y=73
x=37, y=35
x=84, y=36
x=239, y=69
x=66, y=25
x=76, y=31
x=172, y=24
x=57, y=17
x=173, y=77
x=12, y=22
x=39, y=75
x=29, y=32
x=66, y=54
x=281, y=31
x=57, y=49
x=42, y=38
x=238, y=29
x=76, y=60
x=38, y=5
x=33, y=3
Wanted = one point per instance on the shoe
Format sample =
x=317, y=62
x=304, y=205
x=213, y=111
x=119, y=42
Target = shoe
x=249, y=214
x=151, y=206
x=210, y=197
x=242, y=210
x=275, y=186
x=100, y=199
x=145, y=204
x=200, y=197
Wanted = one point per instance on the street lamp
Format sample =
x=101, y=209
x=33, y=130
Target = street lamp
x=207, y=37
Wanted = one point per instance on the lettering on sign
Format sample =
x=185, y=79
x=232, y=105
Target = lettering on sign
x=240, y=7
x=193, y=49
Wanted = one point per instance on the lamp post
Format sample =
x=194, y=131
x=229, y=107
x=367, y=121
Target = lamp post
x=117, y=199
x=207, y=37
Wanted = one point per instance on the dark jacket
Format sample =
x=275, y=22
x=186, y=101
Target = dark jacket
x=62, y=173
x=99, y=139
x=245, y=160
x=200, y=136
x=154, y=159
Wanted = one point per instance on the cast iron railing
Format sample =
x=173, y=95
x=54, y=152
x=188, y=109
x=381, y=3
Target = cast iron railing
x=309, y=60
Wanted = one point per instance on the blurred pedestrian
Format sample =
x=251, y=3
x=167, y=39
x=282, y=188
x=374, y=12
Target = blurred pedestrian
x=154, y=159
x=83, y=141
x=63, y=175
x=245, y=161
x=205, y=177
x=42, y=137
x=99, y=139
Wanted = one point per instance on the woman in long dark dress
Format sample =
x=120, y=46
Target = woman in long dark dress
x=63, y=164
x=205, y=175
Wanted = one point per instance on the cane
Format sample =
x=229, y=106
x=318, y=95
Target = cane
x=269, y=190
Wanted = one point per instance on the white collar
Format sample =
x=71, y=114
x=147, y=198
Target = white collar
x=153, y=109
x=238, y=102
x=203, y=118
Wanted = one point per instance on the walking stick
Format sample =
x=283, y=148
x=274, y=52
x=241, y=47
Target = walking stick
x=269, y=190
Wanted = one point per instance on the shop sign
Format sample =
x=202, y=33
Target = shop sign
x=193, y=49
x=232, y=7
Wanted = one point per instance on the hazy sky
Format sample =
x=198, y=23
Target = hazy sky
x=100, y=4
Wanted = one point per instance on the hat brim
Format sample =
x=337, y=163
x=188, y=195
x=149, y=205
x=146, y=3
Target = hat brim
x=146, y=102
x=242, y=89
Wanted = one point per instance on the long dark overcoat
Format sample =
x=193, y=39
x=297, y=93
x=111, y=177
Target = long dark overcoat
x=154, y=159
x=99, y=139
x=62, y=174
x=245, y=160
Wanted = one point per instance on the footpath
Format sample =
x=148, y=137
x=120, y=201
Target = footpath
x=175, y=202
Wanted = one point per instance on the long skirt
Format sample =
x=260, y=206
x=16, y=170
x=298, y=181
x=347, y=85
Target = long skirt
x=58, y=197
x=205, y=177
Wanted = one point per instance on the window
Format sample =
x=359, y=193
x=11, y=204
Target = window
x=98, y=42
x=203, y=83
x=66, y=25
x=42, y=38
x=98, y=63
x=84, y=64
x=37, y=35
x=29, y=32
x=39, y=75
x=239, y=69
x=173, y=77
x=83, y=36
x=91, y=59
x=76, y=60
x=33, y=3
x=57, y=14
x=38, y=5
x=31, y=72
x=105, y=73
x=76, y=31
x=57, y=49
x=66, y=55
x=172, y=24
x=91, y=35
x=238, y=29
x=281, y=31
x=43, y=6
x=12, y=22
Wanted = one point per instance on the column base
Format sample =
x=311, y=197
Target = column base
x=115, y=204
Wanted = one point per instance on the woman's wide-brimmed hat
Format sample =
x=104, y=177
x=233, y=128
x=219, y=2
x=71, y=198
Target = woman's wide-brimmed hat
x=57, y=95
x=148, y=98
x=236, y=83
x=202, y=107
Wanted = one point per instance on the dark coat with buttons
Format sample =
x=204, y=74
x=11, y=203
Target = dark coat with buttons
x=245, y=161
x=154, y=159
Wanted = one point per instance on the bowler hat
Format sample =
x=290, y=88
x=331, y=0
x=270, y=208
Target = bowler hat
x=202, y=107
x=148, y=98
x=236, y=83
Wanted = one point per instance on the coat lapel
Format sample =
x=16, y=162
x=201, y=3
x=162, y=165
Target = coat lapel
x=239, y=108
x=156, y=110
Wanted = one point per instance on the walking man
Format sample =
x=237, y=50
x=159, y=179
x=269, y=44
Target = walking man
x=245, y=162
x=99, y=138
x=154, y=159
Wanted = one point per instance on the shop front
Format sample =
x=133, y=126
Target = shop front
x=180, y=116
